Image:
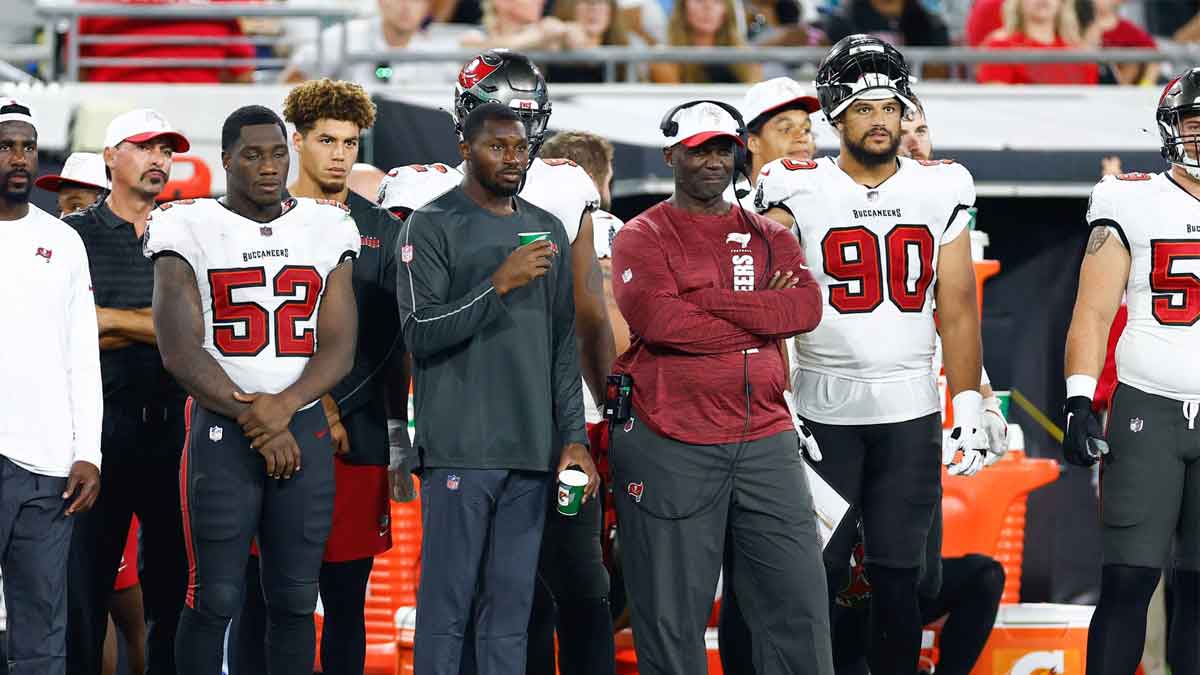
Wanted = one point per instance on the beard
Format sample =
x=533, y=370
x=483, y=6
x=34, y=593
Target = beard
x=17, y=194
x=871, y=158
x=499, y=190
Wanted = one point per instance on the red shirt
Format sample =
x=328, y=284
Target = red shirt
x=144, y=47
x=1126, y=34
x=688, y=285
x=1034, y=73
x=986, y=17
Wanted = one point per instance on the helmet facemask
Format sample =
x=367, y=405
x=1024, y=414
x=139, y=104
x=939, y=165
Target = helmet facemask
x=1178, y=148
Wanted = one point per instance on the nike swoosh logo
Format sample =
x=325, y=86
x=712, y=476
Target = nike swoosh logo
x=765, y=172
x=1069, y=416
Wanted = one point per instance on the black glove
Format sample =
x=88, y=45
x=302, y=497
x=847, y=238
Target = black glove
x=1083, y=441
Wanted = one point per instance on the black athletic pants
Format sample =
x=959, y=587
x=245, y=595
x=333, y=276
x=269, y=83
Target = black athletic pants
x=228, y=500
x=343, y=588
x=139, y=474
x=572, y=596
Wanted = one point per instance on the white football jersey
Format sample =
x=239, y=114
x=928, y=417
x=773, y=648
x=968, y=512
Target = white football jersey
x=260, y=283
x=1159, y=223
x=559, y=186
x=875, y=253
x=604, y=228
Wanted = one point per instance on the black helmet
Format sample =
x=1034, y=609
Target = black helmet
x=508, y=78
x=861, y=66
x=1180, y=98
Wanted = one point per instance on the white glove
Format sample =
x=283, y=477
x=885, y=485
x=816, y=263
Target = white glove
x=996, y=429
x=967, y=435
x=808, y=442
x=401, y=458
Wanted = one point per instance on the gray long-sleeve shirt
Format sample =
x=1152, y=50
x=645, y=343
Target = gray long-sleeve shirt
x=496, y=379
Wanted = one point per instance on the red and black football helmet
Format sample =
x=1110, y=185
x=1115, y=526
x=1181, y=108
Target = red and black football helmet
x=1180, y=99
x=508, y=78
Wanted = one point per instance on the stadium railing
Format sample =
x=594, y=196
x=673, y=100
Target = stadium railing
x=70, y=13
x=609, y=57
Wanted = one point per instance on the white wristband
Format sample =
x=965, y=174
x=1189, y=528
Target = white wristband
x=1081, y=385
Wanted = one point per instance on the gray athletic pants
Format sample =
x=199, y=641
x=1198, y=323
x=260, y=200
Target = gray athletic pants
x=479, y=554
x=675, y=504
x=34, y=539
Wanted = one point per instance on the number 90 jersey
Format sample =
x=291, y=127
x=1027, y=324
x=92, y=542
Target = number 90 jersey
x=260, y=283
x=1158, y=222
x=559, y=186
x=874, y=252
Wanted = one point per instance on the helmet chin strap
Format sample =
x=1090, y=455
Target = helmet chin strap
x=1193, y=171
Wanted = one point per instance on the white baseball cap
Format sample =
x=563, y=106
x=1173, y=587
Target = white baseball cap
x=774, y=94
x=83, y=169
x=698, y=123
x=139, y=126
x=12, y=110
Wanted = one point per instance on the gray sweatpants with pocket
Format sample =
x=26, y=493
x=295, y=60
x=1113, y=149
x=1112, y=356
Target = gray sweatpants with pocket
x=676, y=503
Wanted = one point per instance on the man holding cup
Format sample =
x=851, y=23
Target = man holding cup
x=485, y=299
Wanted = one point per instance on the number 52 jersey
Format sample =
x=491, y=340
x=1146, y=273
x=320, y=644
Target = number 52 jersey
x=260, y=283
x=1158, y=222
x=874, y=251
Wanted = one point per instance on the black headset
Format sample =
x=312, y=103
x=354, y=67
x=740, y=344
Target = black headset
x=670, y=127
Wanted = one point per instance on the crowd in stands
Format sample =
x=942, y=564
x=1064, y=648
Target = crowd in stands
x=567, y=25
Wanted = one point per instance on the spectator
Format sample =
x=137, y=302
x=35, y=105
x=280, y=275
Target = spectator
x=142, y=34
x=51, y=416
x=396, y=26
x=1107, y=28
x=899, y=22
x=80, y=184
x=985, y=19
x=518, y=25
x=1038, y=24
x=590, y=23
x=704, y=23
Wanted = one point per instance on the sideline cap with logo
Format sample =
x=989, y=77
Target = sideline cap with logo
x=12, y=110
x=701, y=122
x=139, y=126
x=773, y=95
x=82, y=169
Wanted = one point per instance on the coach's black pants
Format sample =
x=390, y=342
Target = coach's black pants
x=139, y=474
x=228, y=500
x=677, y=503
x=482, y=529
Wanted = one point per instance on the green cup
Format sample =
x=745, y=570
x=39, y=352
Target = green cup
x=1005, y=400
x=571, y=484
x=530, y=237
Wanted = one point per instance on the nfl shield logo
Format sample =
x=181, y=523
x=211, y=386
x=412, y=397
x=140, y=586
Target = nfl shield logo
x=215, y=434
x=406, y=253
x=265, y=231
x=452, y=482
x=1136, y=424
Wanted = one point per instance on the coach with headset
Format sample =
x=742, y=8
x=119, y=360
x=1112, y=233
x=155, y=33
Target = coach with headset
x=704, y=454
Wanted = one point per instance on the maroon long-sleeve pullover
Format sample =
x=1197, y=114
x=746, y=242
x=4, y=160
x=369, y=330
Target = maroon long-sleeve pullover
x=691, y=287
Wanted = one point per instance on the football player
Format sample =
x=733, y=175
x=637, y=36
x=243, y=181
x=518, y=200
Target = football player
x=1143, y=244
x=885, y=237
x=567, y=191
x=256, y=319
x=330, y=117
